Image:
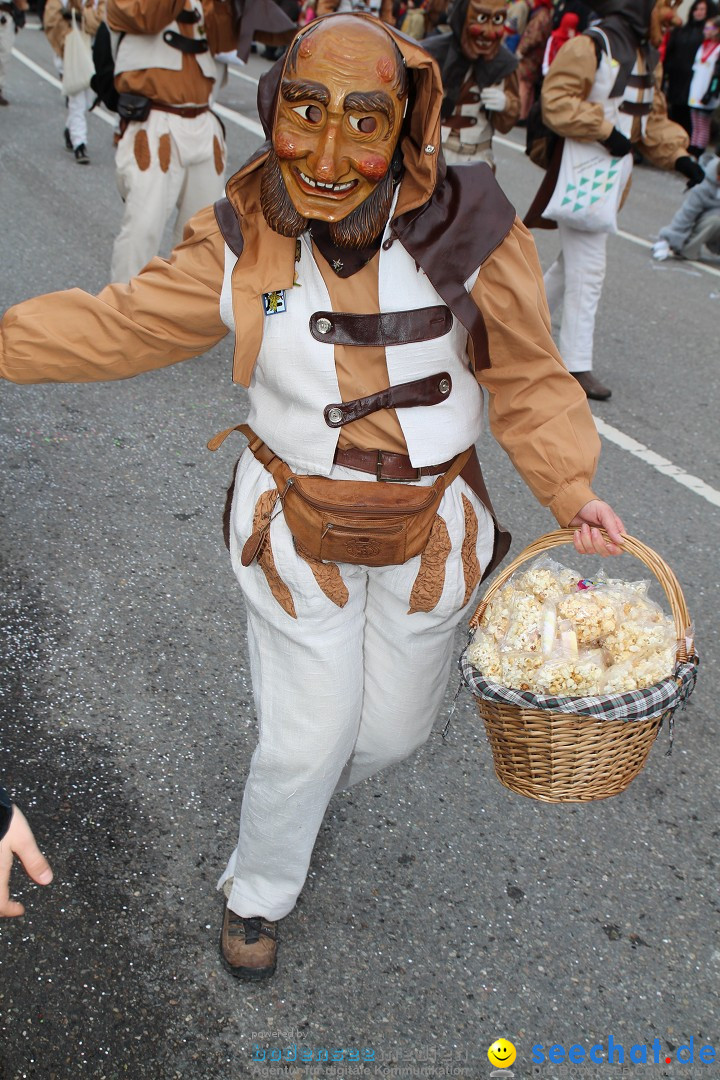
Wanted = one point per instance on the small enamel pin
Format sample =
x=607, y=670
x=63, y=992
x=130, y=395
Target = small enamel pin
x=274, y=302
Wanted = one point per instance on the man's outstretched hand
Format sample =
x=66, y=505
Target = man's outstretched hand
x=19, y=840
x=588, y=539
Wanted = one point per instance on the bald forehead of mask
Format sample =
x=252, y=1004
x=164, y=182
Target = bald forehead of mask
x=484, y=29
x=338, y=116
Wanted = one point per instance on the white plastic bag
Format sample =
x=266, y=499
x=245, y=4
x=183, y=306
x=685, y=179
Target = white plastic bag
x=591, y=181
x=78, y=67
x=589, y=187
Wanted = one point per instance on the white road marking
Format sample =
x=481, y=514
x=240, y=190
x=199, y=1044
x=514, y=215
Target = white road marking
x=241, y=121
x=98, y=111
x=661, y=464
x=612, y=434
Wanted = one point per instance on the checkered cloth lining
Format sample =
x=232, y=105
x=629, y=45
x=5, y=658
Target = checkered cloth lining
x=663, y=697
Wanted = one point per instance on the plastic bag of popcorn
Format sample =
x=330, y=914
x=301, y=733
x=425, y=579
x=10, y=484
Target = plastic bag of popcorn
x=577, y=676
x=524, y=632
x=594, y=613
x=546, y=579
x=519, y=669
x=643, y=629
x=640, y=672
x=484, y=654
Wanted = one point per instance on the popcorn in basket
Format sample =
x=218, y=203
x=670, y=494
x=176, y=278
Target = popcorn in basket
x=574, y=677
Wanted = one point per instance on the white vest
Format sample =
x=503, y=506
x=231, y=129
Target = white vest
x=294, y=377
x=136, y=52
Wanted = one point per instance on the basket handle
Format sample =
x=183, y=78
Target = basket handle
x=631, y=546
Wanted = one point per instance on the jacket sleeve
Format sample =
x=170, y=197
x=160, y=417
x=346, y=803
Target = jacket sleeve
x=664, y=141
x=142, y=16
x=538, y=412
x=565, y=89
x=168, y=313
x=92, y=17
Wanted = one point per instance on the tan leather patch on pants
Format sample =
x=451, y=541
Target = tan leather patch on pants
x=471, y=566
x=141, y=149
x=428, y=587
x=164, y=151
x=266, y=561
x=219, y=156
x=328, y=578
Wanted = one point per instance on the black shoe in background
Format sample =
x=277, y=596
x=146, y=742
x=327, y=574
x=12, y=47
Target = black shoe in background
x=81, y=155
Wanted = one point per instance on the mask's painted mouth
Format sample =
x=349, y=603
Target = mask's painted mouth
x=337, y=191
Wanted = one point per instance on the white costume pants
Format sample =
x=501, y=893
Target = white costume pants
x=7, y=34
x=575, y=280
x=164, y=164
x=77, y=110
x=340, y=691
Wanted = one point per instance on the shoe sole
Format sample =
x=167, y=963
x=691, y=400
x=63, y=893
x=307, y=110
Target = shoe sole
x=245, y=973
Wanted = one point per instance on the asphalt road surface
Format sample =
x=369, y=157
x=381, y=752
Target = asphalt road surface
x=442, y=911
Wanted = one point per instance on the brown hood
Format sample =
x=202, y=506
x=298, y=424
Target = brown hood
x=424, y=168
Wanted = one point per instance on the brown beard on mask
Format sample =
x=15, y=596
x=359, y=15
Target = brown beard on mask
x=358, y=230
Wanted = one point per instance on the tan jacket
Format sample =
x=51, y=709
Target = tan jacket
x=57, y=27
x=171, y=312
x=567, y=111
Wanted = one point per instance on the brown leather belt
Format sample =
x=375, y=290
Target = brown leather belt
x=384, y=465
x=188, y=111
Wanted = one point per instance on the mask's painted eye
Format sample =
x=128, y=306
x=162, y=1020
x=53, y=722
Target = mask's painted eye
x=365, y=124
x=311, y=113
x=499, y=18
x=482, y=18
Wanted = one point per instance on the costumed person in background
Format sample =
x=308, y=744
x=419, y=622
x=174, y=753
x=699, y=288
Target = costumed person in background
x=57, y=24
x=530, y=52
x=480, y=80
x=171, y=155
x=583, y=11
x=516, y=17
x=12, y=19
x=372, y=290
x=16, y=839
x=632, y=114
x=697, y=222
x=567, y=29
x=704, y=95
x=383, y=9
x=682, y=45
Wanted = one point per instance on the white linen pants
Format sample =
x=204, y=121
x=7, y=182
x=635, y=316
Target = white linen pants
x=340, y=692
x=7, y=36
x=163, y=164
x=78, y=106
x=575, y=280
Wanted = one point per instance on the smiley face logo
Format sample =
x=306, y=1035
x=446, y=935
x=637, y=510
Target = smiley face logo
x=501, y=1054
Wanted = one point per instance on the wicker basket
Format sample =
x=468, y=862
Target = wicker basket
x=558, y=757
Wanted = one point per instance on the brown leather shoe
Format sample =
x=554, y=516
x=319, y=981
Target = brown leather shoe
x=592, y=386
x=248, y=947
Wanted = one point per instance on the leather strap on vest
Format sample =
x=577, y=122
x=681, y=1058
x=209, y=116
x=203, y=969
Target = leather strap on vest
x=188, y=17
x=428, y=391
x=636, y=108
x=456, y=122
x=385, y=328
x=193, y=46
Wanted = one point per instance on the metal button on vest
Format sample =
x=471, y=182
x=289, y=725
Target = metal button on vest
x=324, y=326
x=444, y=386
x=334, y=415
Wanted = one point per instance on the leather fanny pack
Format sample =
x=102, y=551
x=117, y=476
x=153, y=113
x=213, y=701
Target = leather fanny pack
x=352, y=521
